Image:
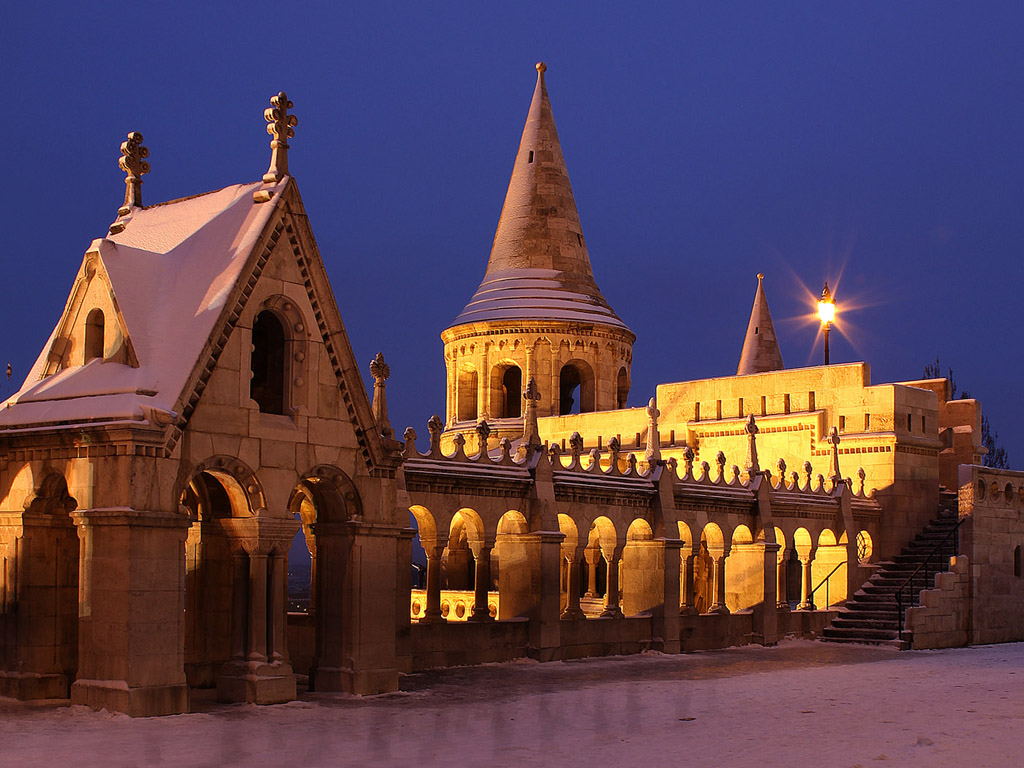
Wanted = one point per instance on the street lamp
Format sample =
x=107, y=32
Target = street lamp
x=826, y=313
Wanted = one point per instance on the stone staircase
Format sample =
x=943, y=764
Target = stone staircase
x=871, y=616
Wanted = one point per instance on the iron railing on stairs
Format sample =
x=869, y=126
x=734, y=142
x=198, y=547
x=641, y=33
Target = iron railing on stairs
x=824, y=582
x=915, y=594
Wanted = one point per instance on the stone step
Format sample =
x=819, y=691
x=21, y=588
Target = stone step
x=860, y=641
x=859, y=633
x=888, y=624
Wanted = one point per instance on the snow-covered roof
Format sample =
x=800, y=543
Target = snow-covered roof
x=170, y=273
x=539, y=267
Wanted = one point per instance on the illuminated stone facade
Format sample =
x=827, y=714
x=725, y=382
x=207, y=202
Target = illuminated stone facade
x=152, y=484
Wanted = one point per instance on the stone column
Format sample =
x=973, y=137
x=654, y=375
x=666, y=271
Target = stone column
x=131, y=611
x=329, y=580
x=432, y=611
x=591, y=556
x=611, y=600
x=689, y=601
x=257, y=606
x=572, y=590
x=783, y=567
x=481, y=582
x=278, y=616
x=807, y=603
x=719, y=605
x=239, y=627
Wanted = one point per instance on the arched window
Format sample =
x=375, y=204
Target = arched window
x=268, y=363
x=466, y=406
x=94, y=335
x=512, y=392
x=622, y=388
x=575, y=389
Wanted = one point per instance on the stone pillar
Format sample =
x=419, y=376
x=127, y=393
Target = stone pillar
x=807, y=601
x=591, y=556
x=481, y=582
x=239, y=626
x=783, y=578
x=278, y=615
x=331, y=560
x=572, y=608
x=257, y=635
x=666, y=614
x=432, y=611
x=688, y=605
x=263, y=675
x=718, y=582
x=131, y=655
x=611, y=599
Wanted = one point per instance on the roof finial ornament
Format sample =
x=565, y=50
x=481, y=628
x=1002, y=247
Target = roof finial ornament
x=653, y=453
x=281, y=127
x=542, y=67
x=531, y=434
x=833, y=440
x=133, y=162
x=380, y=371
x=751, y=428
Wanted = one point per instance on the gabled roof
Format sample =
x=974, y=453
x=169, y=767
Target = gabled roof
x=539, y=267
x=760, y=347
x=179, y=273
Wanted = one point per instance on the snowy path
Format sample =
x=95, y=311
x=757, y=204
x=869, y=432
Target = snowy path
x=801, y=703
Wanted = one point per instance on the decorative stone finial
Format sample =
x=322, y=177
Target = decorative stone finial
x=760, y=277
x=808, y=469
x=542, y=67
x=833, y=440
x=576, y=445
x=380, y=371
x=531, y=395
x=688, y=461
x=720, y=461
x=410, y=442
x=653, y=453
x=281, y=127
x=483, y=431
x=133, y=162
x=782, y=469
x=861, y=475
x=752, y=466
x=435, y=427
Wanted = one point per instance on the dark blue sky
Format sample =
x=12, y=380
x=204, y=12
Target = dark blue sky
x=705, y=143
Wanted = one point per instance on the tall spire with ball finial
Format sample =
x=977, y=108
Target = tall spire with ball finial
x=539, y=266
x=760, y=347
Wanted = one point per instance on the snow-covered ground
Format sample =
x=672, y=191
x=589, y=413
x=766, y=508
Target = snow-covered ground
x=799, y=704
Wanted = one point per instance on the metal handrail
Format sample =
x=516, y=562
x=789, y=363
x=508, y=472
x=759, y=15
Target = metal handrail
x=915, y=595
x=825, y=583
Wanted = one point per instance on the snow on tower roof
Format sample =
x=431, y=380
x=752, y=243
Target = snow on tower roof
x=760, y=347
x=539, y=267
x=169, y=272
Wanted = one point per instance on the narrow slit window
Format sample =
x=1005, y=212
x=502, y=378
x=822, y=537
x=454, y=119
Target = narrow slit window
x=531, y=157
x=94, y=341
x=842, y=423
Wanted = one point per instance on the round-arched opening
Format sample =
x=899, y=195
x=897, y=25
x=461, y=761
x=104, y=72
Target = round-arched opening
x=622, y=388
x=94, y=335
x=511, y=400
x=576, y=391
x=466, y=394
x=864, y=547
x=268, y=361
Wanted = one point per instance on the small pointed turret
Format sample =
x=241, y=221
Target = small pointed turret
x=760, y=347
x=539, y=266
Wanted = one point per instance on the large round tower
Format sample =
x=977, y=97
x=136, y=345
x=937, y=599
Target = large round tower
x=538, y=312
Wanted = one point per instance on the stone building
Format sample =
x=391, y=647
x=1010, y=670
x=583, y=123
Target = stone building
x=152, y=483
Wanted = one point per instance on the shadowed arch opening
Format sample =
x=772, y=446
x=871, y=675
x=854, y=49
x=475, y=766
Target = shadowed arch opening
x=576, y=388
x=622, y=388
x=268, y=362
x=94, y=335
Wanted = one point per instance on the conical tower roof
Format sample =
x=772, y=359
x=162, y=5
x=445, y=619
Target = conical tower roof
x=539, y=267
x=760, y=347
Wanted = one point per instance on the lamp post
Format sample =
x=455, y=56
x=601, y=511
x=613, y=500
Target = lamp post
x=826, y=313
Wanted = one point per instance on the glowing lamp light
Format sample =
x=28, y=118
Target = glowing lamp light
x=826, y=313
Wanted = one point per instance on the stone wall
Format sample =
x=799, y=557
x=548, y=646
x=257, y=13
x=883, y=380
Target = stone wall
x=992, y=536
x=942, y=620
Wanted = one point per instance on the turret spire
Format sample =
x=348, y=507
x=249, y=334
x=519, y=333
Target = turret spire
x=760, y=347
x=539, y=266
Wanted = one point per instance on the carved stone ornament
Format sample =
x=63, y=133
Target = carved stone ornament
x=133, y=162
x=281, y=126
